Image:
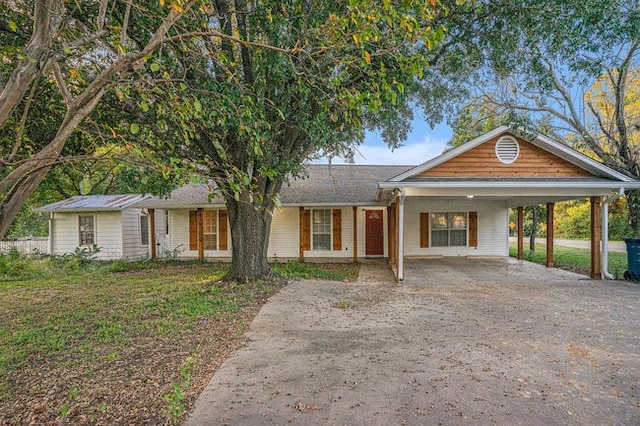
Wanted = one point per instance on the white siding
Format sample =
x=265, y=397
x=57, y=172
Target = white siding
x=162, y=240
x=493, y=230
x=108, y=233
x=132, y=248
x=284, y=241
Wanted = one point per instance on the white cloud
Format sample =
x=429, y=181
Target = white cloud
x=415, y=153
x=408, y=154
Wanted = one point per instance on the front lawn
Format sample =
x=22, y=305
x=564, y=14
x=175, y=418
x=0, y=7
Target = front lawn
x=571, y=259
x=86, y=342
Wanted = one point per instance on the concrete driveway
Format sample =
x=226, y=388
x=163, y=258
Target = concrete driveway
x=462, y=341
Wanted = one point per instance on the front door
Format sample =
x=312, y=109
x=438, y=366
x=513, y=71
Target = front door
x=374, y=244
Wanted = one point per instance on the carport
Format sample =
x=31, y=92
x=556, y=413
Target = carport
x=465, y=195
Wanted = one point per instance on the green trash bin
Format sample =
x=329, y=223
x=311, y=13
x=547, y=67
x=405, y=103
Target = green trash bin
x=633, y=259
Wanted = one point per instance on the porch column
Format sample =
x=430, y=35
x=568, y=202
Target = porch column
x=550, y=207
x=200, y=233
x=355, y=234
x=401, y=236
x=520, y=233
x=391, y=231
x=596, y=237
x=152, y=231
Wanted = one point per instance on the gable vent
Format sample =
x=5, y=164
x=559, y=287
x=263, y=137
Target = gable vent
x=507, y=149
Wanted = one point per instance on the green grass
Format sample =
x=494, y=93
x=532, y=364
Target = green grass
x=73, y=315
x=321, y=271
x=572, y=259
x=71, y=311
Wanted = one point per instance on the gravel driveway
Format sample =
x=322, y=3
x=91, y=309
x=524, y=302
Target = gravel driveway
x=462, y=341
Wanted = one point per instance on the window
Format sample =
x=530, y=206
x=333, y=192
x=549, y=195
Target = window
x=321, y=229
x=87, y=230
x=144, y=230
x=448, y=229
x=210, y=229
x=166, y=222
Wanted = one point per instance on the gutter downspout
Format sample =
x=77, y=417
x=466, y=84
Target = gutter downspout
x=401, y=236
x=605, y=234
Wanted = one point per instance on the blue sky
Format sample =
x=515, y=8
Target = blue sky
x=422, y=144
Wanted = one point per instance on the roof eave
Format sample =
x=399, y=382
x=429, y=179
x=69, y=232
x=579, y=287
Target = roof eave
x=510, y=184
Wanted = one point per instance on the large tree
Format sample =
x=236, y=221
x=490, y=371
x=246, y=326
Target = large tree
x=573, y=61
x=248, y=117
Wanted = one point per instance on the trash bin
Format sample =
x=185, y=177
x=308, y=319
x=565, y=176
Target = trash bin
x=633, y=259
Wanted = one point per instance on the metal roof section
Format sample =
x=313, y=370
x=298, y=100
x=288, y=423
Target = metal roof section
x=542, y=142
x=88, y=203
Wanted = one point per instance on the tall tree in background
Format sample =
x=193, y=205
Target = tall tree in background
x=573, y=61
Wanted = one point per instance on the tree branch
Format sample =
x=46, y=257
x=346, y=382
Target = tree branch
x=64, y=90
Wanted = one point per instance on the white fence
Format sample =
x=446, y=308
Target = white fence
x=30, y=246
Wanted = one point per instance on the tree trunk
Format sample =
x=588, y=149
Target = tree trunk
x=12, y=204
x=633, y=211
x=250, y=230
x=534, y=229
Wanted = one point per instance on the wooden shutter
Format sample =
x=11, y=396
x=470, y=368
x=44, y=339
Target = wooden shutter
x=193, y=230
x=337, y=229
x=305, y=229
x=424, y=230
x=473, y=229
x=222, y=229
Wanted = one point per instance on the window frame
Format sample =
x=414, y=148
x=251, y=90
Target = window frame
x=92, y=231
x=212, y=242
x=434, y=229
x=329, y=218
x=144, y=230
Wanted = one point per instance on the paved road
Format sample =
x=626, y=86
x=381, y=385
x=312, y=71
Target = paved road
x=618, y=246
x=460, y=342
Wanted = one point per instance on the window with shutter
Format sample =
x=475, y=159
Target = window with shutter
x=193, y=230
x=424, y=230
x=305, y=229
x=337, y=229
x=223, y=239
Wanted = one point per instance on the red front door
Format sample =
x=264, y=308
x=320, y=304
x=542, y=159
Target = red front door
x=374, y=233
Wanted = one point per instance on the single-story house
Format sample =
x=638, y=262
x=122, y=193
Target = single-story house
x=456, y=204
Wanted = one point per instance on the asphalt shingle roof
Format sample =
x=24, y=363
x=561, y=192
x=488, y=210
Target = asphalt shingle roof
x=322, y=185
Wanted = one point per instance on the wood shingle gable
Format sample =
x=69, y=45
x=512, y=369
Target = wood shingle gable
x=539, y=158
x=482, y=162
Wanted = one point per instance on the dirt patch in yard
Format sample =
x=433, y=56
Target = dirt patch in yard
x=461, y=341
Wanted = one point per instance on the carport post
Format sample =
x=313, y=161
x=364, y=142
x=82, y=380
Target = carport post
x=520, y=233
x=355, y=234
x=596, y=236
x=550, y=207
x=401, y=236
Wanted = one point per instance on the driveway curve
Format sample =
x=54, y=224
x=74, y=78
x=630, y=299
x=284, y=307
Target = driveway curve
x=462, y=341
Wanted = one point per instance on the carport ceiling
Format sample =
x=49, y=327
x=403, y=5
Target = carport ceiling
x=515, y=194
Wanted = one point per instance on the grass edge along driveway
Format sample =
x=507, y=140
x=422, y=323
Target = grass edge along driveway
x=108, y=342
